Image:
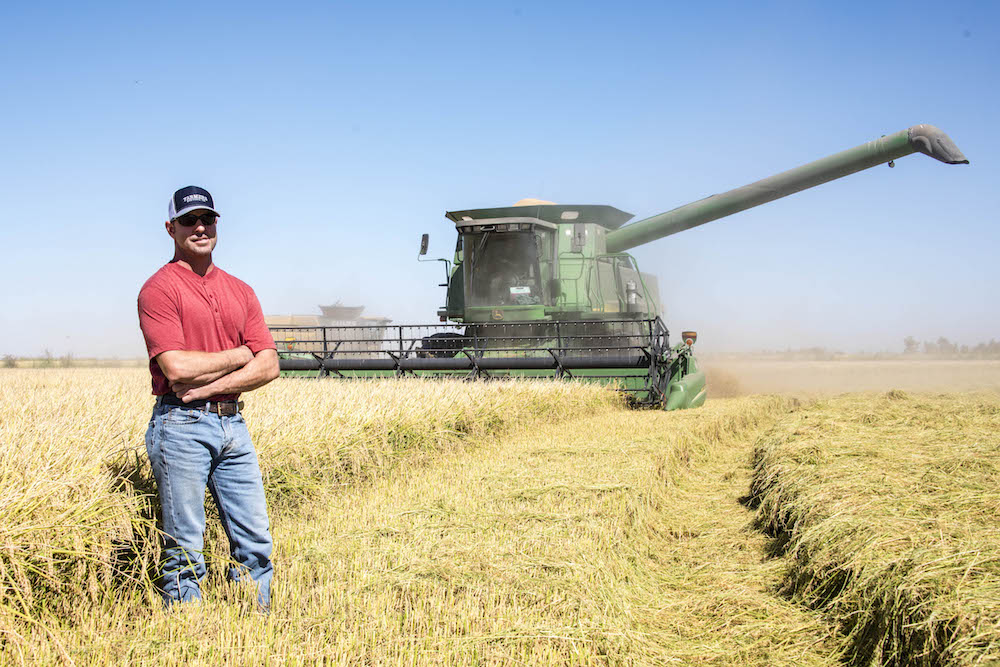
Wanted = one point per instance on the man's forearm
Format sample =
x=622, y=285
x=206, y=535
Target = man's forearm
x=192, y=367
x=205, y=378
x=261, y=370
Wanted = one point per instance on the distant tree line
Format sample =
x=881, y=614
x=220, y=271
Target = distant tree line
x=68, y=360
x=47, y=360
x=943, y=347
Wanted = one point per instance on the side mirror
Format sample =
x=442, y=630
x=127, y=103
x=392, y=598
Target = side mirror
x=423, y=243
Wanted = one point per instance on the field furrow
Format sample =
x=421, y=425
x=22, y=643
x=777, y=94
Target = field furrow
x=887, y=508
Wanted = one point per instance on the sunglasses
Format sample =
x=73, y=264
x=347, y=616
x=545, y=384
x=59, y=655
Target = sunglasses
x=190, y=220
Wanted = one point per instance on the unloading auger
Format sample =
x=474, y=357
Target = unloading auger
x=547, y=290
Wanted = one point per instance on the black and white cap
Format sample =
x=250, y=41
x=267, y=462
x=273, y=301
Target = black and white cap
x=190, y=199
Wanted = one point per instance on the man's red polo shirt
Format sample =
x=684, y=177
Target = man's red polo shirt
x=180, y=310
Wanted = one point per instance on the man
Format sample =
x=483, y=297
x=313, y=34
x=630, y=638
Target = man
x=207, y=344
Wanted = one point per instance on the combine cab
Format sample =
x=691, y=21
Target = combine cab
x=546, y=290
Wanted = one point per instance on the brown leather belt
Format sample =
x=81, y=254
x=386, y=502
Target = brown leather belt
x=221, y=408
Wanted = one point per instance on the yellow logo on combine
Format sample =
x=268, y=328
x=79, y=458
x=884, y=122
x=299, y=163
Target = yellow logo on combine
x=498, y=314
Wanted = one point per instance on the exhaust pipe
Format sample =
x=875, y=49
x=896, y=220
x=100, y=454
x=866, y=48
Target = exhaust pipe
x=931, y=141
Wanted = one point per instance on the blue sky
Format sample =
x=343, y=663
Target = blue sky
x=333, y=134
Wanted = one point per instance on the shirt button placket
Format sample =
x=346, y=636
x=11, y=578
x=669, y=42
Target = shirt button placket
x=215, y=305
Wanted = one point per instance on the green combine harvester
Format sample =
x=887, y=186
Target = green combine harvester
x=546, y=290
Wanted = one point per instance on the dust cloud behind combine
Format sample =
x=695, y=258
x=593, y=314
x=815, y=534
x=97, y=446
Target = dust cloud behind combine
x=731, y=378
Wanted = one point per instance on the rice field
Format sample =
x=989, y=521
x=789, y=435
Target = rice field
x=515, y=523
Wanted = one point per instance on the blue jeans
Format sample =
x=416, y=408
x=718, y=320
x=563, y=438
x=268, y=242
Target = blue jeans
x=191, y=448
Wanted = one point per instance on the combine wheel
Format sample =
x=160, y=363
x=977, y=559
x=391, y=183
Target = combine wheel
x=443, y=345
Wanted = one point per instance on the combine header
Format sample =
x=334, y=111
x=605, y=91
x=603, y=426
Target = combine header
x=633, y=353
x=546, y=290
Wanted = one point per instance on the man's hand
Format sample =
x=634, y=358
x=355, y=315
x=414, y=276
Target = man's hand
x=180, y=389
x=192, y=392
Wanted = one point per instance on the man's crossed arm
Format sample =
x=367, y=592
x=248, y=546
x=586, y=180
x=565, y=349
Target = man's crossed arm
x=197, y=375
x=198, y=368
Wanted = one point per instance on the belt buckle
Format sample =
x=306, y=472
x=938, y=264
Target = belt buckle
x=225, y=408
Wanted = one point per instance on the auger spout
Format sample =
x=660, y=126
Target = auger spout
x=922, y=138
